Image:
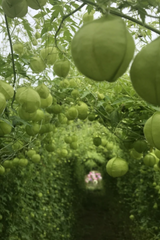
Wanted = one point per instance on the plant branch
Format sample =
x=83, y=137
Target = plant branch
x=66, y=16
x=10, y=41
x=13, y=64
x=114, y=11
x=150, y=15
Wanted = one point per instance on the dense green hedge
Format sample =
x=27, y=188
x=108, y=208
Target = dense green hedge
x=36, y=201
x=40, y=201
x=139, y=192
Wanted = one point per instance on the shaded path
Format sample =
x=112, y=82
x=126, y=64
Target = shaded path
x=99, y=219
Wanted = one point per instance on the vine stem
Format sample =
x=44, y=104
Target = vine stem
x=66, y=16
x=120, y=14
x=13, y=64
x=114, y=12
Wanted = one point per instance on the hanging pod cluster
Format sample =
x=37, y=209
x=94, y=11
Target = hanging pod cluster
x=48, y=56
x=102, y=49
x=19, y=8
x=145, y=73
x=30, y=100
x=32, y=103
x=152, y=130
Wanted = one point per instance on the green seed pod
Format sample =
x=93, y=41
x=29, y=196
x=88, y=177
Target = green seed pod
x=49, y=55
x=149, y=160
x=15, y=8
x=5, y=128
x=152, y=131
x=145, y=73
x=102, y=49
x=6, y=90
x=37, y=64
x=61, y=68
x=117, y=167
x=72, y=113
x=2, y=103
x=29, y=100
x=42, y=90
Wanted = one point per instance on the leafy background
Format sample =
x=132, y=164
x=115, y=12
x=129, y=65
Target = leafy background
x=45, y=200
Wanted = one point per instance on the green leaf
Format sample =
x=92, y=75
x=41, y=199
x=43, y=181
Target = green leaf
x=2, y=62
x=122, y=100
x=115, y=118
x=54, y=15
x=58, y=9
x=17, y=120
x=124, y=5
x=143, y=3
x=85, y=94
x=73, y=28
x=27, y=27
x=75, y=5
x=142, y=14
x=20, y=69
x=67, y=34
x=152, y=3
x=89, y=8
x=40, y=15
x=46, y=28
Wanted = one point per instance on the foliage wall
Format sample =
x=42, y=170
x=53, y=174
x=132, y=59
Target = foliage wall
x=36, y=202
x=82, y=125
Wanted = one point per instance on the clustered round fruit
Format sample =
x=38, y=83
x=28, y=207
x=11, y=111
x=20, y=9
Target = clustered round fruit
x=72, y=141
x=22, y=161
x=32, y=105
x=19, y=8
x=48, y=56
x=79, y=111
